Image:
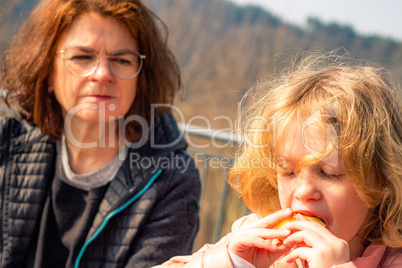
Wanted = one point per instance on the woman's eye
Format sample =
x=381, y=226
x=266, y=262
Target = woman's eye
x=121, y=61
x=81, y=57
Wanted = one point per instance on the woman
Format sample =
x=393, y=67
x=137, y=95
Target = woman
x=93, y=174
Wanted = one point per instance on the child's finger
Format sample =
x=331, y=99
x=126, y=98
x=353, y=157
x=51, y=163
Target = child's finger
x=245, y=243
x=324, y=253
x=310, y=233
x=266, y=233
x=259, y=237
x=273, y=219
x=302, y=253
x=306, y=237
x=260, y=233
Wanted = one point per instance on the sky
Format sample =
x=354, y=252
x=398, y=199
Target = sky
x=368, y=17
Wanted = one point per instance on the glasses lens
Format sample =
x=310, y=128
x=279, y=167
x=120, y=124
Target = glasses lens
x=125, y=65
x=80, y=62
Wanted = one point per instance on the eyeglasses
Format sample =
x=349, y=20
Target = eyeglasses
x=83, y=61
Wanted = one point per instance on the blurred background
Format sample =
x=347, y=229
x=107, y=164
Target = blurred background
x=224, y=47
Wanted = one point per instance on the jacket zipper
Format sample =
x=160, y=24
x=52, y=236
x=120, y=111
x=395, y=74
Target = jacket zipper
x=112, y=214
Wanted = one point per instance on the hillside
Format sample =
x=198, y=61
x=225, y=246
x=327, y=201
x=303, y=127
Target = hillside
x=222, y=48
x=12, y=15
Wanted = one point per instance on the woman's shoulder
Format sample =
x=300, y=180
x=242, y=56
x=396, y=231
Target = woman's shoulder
x=12, y=128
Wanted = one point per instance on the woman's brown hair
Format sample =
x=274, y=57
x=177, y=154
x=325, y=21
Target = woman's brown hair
x=27, y=65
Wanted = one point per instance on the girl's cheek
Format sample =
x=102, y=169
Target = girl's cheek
x=284, y=198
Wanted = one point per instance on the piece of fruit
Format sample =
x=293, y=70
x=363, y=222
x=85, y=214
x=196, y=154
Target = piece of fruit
x=281, y=224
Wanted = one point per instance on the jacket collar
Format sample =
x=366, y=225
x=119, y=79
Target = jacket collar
x=164, y=138
x=161, y=138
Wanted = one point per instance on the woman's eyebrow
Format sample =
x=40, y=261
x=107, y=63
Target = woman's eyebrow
x=124, y=51
x=83, y=49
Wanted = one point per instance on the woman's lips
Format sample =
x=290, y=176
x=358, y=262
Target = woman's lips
x=99, y=97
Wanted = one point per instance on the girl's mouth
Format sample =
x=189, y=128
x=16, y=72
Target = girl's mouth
x=310, y=215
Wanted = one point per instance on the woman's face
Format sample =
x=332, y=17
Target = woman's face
x=101, y=96
x=322, y=190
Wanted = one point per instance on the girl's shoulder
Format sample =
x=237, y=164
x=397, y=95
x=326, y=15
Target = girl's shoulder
x=392, y=258
x=380, y=256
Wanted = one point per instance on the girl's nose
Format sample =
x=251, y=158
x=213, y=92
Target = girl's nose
x=306, y=187
x=103, y=73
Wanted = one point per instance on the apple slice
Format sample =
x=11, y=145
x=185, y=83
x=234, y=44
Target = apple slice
x=281, y=224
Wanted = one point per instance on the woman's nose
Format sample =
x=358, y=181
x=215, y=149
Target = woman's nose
x=306, y=187
x=103, y=72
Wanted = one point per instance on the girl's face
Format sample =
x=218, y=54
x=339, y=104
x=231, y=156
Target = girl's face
x=101, y=95
x=321, y=190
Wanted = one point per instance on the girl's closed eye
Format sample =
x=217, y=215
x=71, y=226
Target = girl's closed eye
x=285, y=173
x=330, y=174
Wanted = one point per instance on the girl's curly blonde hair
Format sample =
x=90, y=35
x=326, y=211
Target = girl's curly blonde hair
x=360, y=103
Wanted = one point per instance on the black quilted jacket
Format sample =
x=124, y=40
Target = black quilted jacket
x=148, y=215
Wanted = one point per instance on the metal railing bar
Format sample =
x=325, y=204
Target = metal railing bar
x=210, y=155
x=213, y=135
x=210, y=133
x=221, y=213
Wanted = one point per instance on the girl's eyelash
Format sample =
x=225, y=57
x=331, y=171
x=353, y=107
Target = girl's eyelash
x=284, y=173
x=288, y=174
x=331, y=176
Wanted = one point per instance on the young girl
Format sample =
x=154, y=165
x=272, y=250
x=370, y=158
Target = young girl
x=323, y=140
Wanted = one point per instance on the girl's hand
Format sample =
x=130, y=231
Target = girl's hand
x=318, y=246
x=258, y=242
